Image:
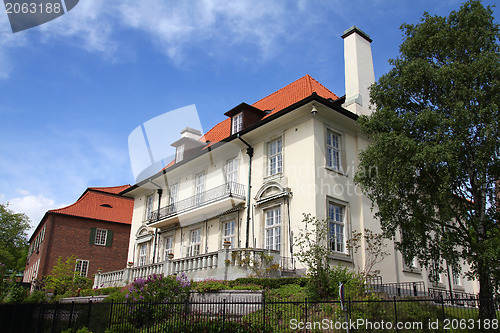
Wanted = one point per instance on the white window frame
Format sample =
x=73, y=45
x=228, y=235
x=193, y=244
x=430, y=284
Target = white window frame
x=336, y=227
x=455, y=278
x=333, y=150
x=232, y=170
x=82, y=267
x=142, y=254
x=179, y=153
x=149, y=206
x=195, y=242
x=101, y=235
x=237, y=123
x=228, y=232
x=168, y=246
x=199, y=187
x=174, y=191
x=272, y=228
x=275, y=156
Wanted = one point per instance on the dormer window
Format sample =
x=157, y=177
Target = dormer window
x=179, y=154
x=237, y=123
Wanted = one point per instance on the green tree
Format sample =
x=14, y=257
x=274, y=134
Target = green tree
x=434, y=157
x=64, y=278
x=13, y=238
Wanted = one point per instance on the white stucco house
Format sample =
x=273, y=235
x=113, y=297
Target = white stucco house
x=242, y=188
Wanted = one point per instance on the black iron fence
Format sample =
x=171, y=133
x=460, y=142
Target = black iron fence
x=396, y=314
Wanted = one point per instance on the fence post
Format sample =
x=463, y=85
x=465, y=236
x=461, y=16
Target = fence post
x=396, y=313
x=71, y=313
x=263, y=311
x=185, y=313
x=110, y=314
x=54, y=317
x=88, y=314
x=224, y=315
x=306, y=310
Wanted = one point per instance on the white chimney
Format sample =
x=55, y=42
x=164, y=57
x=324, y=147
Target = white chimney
x=359, y=75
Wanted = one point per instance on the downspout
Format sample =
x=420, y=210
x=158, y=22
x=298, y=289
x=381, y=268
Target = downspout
x=250, y=155
x=290, y=235
x=160, y=192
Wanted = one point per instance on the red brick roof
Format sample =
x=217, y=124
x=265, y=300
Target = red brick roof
x=277, y=101
x=101, y=206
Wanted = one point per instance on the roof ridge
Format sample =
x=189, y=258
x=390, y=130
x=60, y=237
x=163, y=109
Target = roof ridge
x=279, y=90
x=309, y=83
x=73, y=204
x=313, y=79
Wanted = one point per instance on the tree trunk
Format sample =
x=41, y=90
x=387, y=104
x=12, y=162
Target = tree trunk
x=486, y=301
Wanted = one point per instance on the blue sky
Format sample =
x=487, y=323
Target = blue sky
x=73, y=89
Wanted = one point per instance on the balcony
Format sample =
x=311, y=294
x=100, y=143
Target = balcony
x=221, y=264
x=200, y=207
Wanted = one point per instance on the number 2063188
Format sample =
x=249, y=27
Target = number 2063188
x=33, y=8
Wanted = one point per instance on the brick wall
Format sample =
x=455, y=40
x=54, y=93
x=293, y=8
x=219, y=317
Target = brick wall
x=70, y=236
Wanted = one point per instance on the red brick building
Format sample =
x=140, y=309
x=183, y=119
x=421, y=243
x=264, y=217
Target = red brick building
x=96, y=229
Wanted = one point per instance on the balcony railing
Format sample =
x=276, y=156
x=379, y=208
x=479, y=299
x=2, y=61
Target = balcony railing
x=227, y=190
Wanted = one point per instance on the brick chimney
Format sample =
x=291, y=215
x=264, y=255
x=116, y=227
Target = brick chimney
x=359, y=75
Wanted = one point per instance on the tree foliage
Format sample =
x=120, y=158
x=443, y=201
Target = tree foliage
x=13, y=238
x=435, y=143
x=64, y=278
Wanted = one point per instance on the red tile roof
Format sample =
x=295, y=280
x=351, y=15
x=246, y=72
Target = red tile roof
x=101, y=206
x=292, y=93
x=277, y=101
x=113, y=189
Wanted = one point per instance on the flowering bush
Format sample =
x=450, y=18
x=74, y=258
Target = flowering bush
x=159, y=288
x=153, y=290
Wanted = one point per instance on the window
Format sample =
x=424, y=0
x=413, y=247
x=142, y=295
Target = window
x=143, y=251
x=456, y=278
x=336, y=228
x=149, y=207
x=195, y=244
x=333, y=150
x=228, y=232
x=169, y=246
x=232, y=171
x=273, y=228
x=274, y=155
x=237, y=123
x=82, y=267
x=412, y=266
x=199, y=187
x=174, y=189
x=179, y=153
x=435, y=274
x=100, y=237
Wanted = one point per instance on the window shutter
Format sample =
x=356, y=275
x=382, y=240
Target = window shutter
x=109, y=238
x=92, y=236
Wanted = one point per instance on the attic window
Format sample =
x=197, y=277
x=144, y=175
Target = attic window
x=106, y=205
x=237, y=123
x=179, y=154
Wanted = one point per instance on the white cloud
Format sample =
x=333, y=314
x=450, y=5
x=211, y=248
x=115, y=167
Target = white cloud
x=249, y=28
x=34, y=206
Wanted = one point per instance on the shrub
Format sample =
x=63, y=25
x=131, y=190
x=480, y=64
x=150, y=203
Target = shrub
x=210, y=286
x=36, y=296
x=271, y=283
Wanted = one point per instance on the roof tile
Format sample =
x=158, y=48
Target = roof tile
x=95, y=205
